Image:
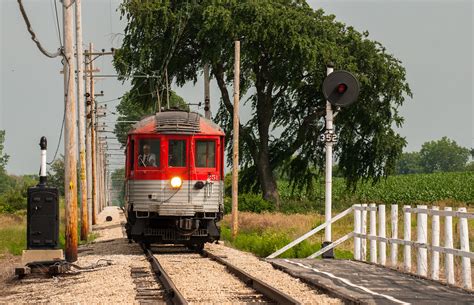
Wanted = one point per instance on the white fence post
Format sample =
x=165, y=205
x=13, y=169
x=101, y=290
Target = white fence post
x=357, y=229
x=383, y=234
x=466, y=261
x=394, y=228
x=422, y=238
x=448, y=243
x=373, y=233
x=407, y=237
x=363, y=240
x=435, y=243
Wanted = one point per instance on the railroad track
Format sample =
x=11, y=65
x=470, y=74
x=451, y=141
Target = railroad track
x=209, y=271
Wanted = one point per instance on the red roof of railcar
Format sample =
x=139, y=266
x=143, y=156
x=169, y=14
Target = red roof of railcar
x=176, y=122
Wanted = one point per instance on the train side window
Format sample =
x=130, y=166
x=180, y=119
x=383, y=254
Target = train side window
x=149, y=153
x=132, y=154
x=205, y=153
x=177, y=153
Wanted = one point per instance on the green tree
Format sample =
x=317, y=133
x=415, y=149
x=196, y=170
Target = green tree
x=135, y=105
x=56, y=175
x=285, y=48
x=3, y=156
x=118, y=185
x=409, y=163
x=5, y=182
x=444, y=155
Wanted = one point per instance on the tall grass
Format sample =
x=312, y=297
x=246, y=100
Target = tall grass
x=12, y=234
x=263, y=234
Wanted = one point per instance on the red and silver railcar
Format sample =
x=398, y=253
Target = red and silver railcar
x=174, y=179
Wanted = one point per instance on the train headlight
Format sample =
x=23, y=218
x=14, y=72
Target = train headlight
x=176, y=182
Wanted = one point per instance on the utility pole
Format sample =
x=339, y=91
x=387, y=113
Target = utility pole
x=88, y=140
x=235, y=149
x=93, y=137
x=207, y=98
x=101, y=177
x=70, y=146
x=99, y=169
x=81, y=125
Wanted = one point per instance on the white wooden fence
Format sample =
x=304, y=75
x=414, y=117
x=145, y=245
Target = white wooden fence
x=377, y=236
x=421, y=245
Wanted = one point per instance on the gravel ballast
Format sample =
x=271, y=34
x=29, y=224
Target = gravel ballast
x=276, y=278
x=111, y=284
x=203, y=281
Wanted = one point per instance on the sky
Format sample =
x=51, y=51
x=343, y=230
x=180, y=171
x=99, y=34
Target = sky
x=433, y=39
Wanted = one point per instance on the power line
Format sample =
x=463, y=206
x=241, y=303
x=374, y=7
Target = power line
x=57, y=23
x=33, y=34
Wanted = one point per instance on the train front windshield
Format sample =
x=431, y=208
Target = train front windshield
x=149, y=153
x=177, y=153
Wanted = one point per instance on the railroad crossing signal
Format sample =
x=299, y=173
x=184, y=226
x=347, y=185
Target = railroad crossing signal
x=341, y=88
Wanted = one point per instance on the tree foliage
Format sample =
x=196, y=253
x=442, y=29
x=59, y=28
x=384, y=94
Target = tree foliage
x=134, y=106
x=409, y=163
x=285, y=48
x=3, y=156
x=444, y=155
x=118, y=186
x=4, y=178
x=56, y=175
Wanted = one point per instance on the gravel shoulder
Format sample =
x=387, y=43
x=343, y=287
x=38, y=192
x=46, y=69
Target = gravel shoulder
x=111, y=284
x=265, y=272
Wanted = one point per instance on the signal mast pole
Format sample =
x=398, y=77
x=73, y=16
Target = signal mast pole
x=328, y=189
x=70, y=146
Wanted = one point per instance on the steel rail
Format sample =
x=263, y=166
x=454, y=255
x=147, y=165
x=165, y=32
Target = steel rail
x=173, y=295
x=268, y=291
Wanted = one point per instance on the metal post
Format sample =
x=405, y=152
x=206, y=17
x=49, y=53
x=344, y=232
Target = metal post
x=70, y=145
x=207, y=99
x=43, y=146
x=328, y=191
x=167, y=90
x=235, y=149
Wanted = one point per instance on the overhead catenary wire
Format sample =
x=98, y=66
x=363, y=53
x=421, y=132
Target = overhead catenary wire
x=33, y=34
x=57, y=23
x=50, y=55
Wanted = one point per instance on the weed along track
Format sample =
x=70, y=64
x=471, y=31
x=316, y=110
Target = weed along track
x=189, y=277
